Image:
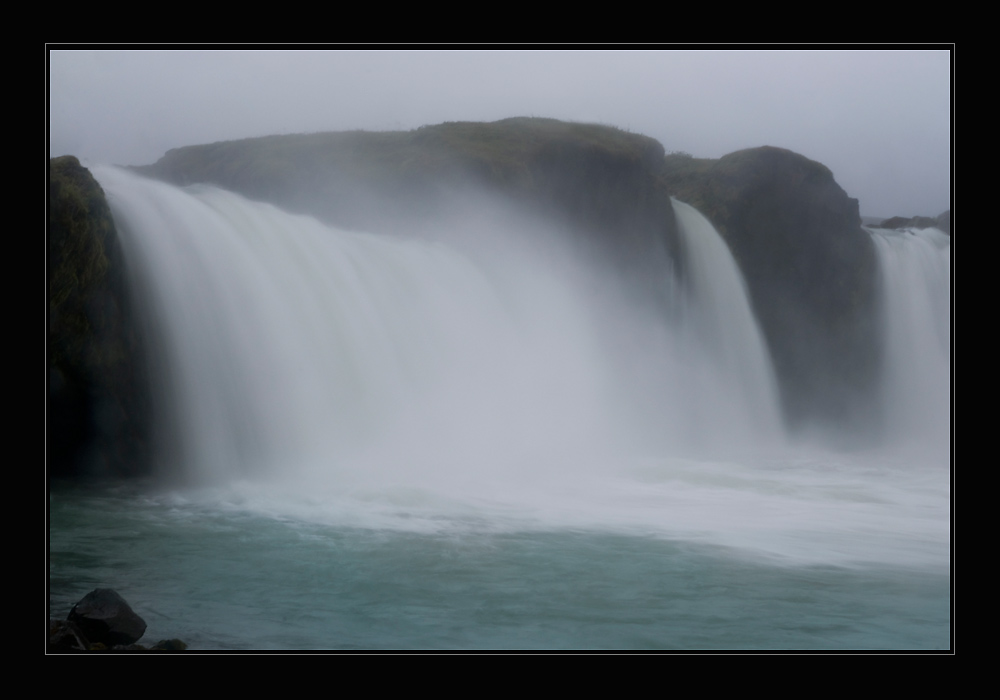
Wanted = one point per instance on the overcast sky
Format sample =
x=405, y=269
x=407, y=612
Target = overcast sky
x=881, y=120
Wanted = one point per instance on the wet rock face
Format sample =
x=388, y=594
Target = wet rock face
x=810, y=269
x=104, y=617
x=96, y=383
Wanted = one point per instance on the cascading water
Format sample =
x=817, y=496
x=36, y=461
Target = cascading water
x=291, y=345
x=438, y=449
x=916, y=305
x=723, y=326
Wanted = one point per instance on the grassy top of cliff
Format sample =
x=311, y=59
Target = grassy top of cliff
x=494, y=153
x=371, y=179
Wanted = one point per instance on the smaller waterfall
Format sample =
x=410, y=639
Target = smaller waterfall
x=721, y=327
x=916, y=303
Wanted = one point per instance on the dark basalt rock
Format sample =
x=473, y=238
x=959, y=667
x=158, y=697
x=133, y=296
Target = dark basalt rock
x=942, y=221
x=96, y=382
x=66, y=636
x=105, y=618
x=810, y=269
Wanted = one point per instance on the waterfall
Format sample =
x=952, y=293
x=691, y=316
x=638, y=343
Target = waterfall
x=291, y=346
x=395, y=427
x=723, y=325
x=915, y=269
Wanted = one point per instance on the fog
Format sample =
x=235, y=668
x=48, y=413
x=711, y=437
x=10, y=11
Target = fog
x=880, y=120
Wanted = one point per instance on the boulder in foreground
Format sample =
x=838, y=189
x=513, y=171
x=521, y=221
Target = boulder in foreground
x=105, y=618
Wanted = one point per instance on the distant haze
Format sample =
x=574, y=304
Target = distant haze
x=880, y=120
